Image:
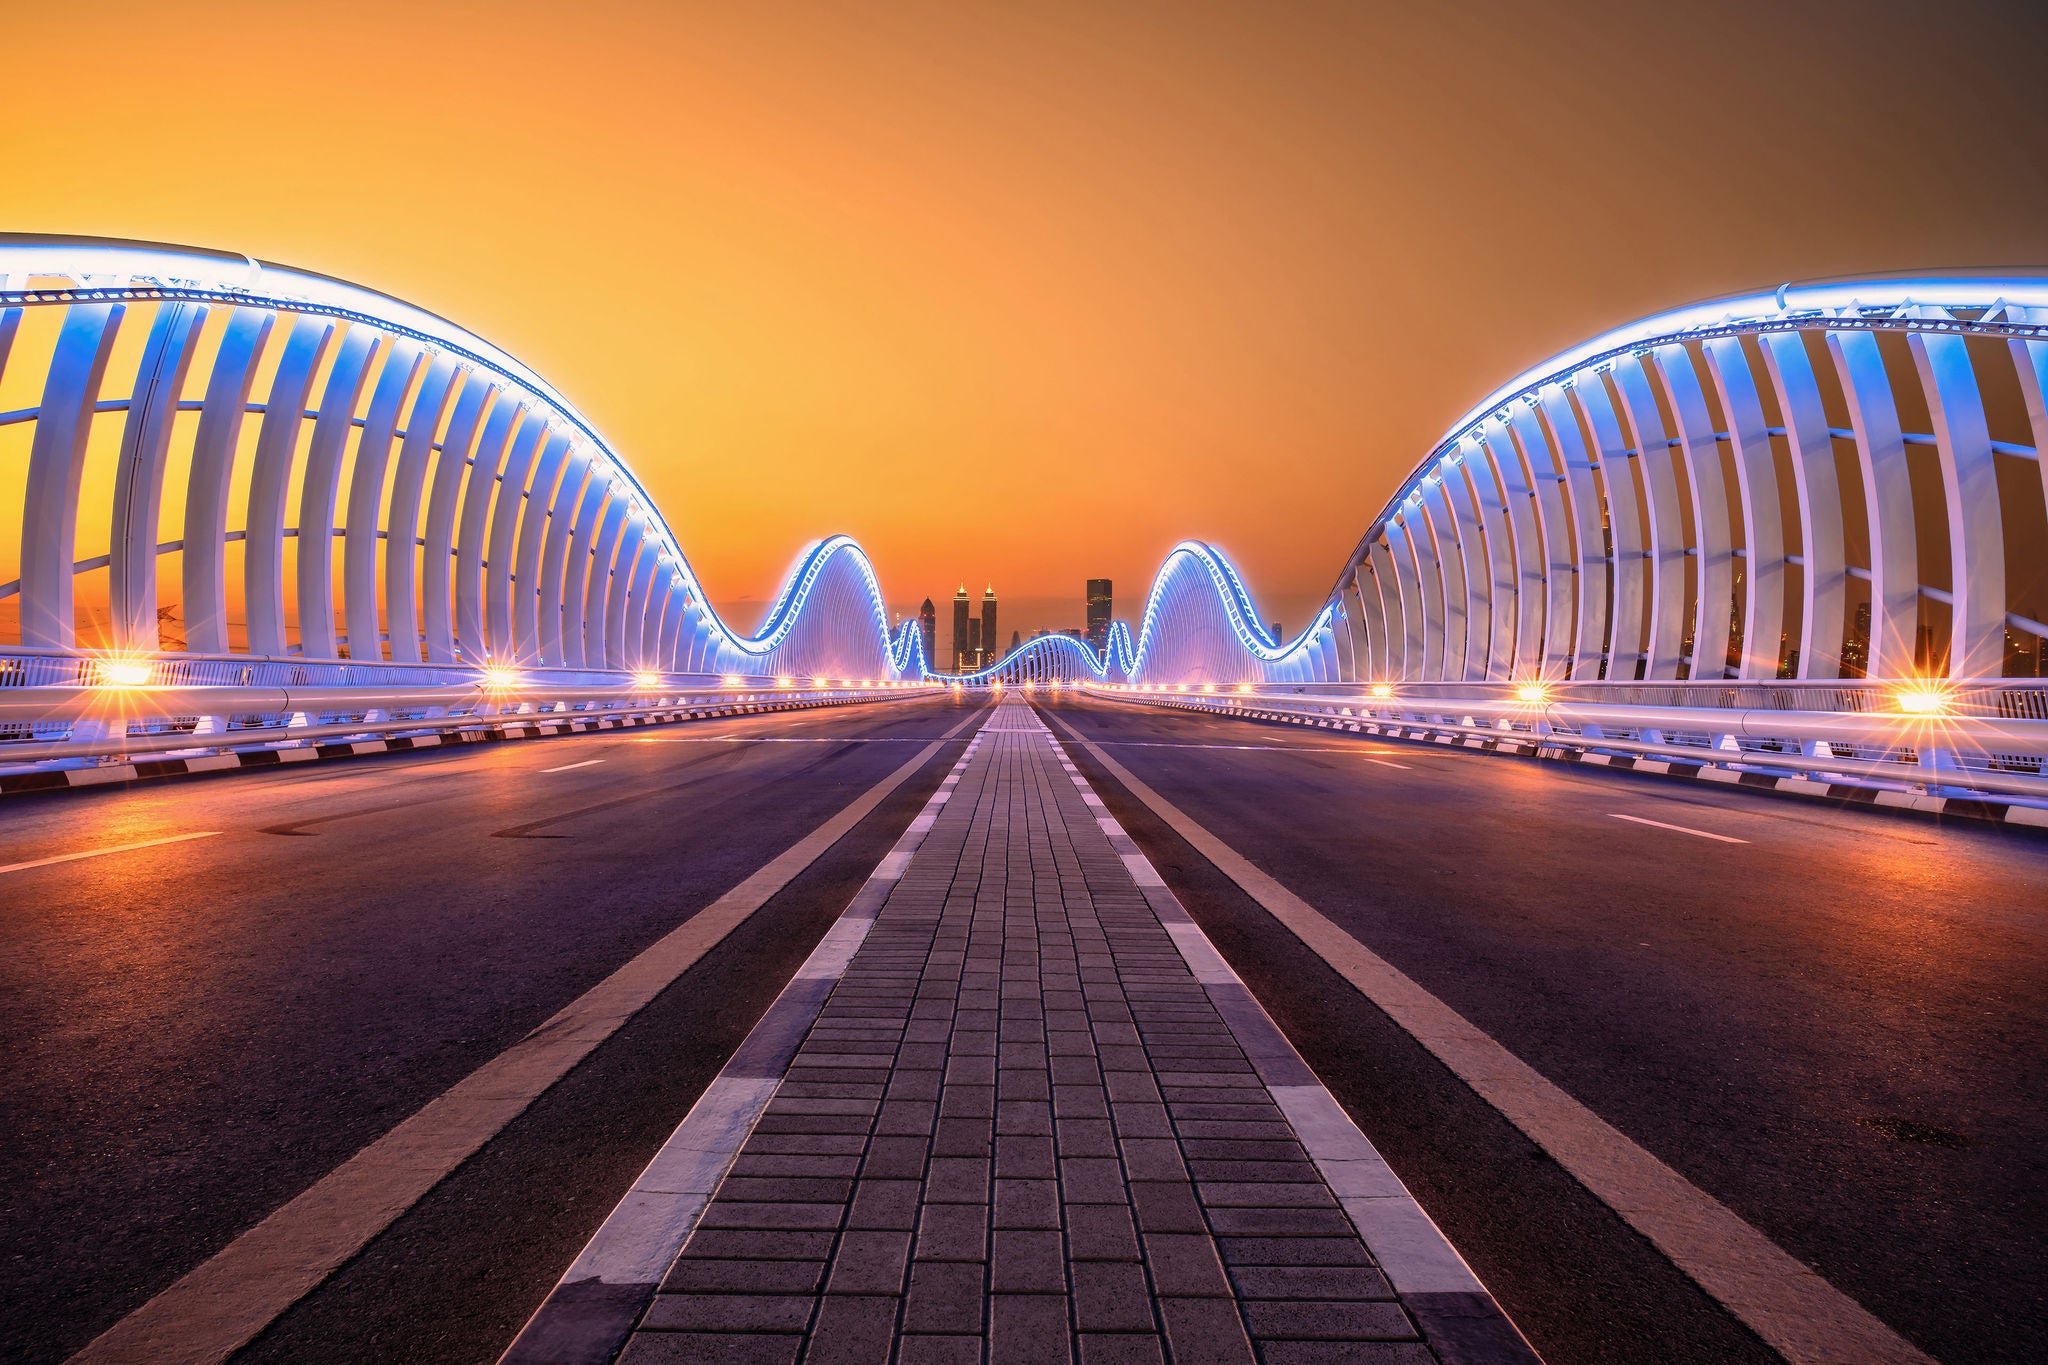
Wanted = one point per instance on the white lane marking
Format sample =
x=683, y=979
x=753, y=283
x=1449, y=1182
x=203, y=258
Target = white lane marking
x=778, y=739
x=1682, y=829
x=219, y=1306
x=571, y=767
x=1385, y=764
x=102, y=852
x=1779, y=1297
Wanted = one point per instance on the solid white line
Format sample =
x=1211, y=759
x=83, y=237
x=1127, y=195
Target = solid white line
x=117, y=848
x=570, y=767
x=1384, y=764
x=1682, y=829
x=1779, y=1297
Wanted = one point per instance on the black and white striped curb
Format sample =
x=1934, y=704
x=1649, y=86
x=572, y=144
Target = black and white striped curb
x=1884, y=798
x=149, y=770
x=1456, y=1314
x=588, y=1315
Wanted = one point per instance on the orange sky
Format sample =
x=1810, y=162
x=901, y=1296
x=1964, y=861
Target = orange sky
x=1029, y=293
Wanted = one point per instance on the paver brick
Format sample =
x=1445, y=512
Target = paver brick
x=710, y=1348
x=1028, y=1329
x=953, y=1232
x=1325, y=1320
x=693, y=1276
x=1032, y=1262
x=729, y=1312
x=853, y=1330
x=870, y=1261
x=945, y=1296
x=1121, y=1348
x=1027, y=1204
x=1311, y=1282
x=1205, y=1332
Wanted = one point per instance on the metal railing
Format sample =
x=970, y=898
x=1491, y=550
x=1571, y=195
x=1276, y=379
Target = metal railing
x=1981, y=738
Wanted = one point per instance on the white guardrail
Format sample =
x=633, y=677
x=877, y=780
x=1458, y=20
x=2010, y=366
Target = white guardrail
x=74, y=711
x=1987, y=738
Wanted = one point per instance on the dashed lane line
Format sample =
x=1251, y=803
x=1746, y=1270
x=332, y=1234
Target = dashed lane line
x=1776, y=1295
x=572, y=767
x=221, y=1305
x=1682, y=829
x=1245, y=748
x=103, y=852
x=1384, y=763
x=780, y=739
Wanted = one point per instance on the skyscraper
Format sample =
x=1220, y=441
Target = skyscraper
x=990, y=641
x=973, y=645
x=1098, y=612
x=928, y=632
x=961, y=645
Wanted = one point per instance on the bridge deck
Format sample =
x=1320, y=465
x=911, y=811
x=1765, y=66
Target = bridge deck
x=1021, y=1128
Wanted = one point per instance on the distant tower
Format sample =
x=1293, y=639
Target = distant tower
x=973, y=646
x=1016, y=639
x=961, y=644
x=1098, y=612
x=989, y=637
x=928, y=629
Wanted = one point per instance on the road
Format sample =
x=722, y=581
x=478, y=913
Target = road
x=1837, y=1027
x=200, y=1030
x=1833, y=1025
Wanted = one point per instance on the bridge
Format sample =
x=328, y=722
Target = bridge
x=1608, y=931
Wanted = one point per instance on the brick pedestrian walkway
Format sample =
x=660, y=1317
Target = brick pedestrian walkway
x=1020, y=1129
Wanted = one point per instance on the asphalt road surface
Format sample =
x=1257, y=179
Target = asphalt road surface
x=1838, y=1028
x=198, y=1031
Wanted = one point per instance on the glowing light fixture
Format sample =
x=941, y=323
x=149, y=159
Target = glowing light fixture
x=125, y=672
x=732, y=680
x=1383, y=689
x=1924, y=700
x=646, y=681
x=498, y=678
x=1532, y=693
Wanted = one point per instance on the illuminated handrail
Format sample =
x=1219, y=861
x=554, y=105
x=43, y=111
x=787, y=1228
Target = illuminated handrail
x=1581, y=522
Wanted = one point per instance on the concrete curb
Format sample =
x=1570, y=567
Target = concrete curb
x=156, y=769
